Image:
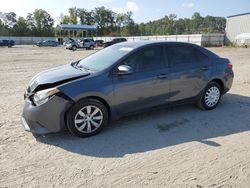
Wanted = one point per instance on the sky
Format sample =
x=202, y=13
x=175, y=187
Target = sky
x=143, y=10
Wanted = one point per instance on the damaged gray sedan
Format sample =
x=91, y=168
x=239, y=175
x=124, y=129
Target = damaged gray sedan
x=122, y=79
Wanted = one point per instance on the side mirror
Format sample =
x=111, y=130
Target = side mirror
x=124, y=70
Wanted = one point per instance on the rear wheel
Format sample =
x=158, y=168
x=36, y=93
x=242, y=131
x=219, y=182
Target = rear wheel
x=87, y=118
x=210, y=97
x=74, y=48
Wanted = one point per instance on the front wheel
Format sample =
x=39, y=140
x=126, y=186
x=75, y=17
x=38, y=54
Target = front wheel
x=87, y=118
x=211, y=96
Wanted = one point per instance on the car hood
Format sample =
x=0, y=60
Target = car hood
x=56, y=76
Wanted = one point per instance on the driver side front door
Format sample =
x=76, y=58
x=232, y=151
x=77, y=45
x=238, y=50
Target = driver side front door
x=147, y=85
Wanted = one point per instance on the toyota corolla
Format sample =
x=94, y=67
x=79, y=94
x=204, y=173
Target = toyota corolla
x=128, y=77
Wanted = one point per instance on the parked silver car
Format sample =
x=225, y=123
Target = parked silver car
x=82, y=43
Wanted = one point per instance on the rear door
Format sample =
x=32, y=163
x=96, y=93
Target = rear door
x=147, y=86
x=189, y=70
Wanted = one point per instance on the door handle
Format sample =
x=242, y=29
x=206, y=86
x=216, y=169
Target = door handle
x=204, y=68
x=162, y=76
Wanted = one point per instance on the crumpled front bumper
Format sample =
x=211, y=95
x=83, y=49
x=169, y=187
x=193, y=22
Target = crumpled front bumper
x=46, y=118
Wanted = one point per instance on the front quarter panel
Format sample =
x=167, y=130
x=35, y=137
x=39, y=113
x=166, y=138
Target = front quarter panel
x=91, y=86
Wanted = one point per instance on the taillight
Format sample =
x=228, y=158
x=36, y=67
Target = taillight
x=230, y=65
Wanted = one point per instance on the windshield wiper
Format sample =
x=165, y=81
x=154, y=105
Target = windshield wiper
x=75, y=65
x=84, y=68
x=81, y=67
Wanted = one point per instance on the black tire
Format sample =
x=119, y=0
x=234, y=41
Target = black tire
x=74, y=113
x=91, y=47
x=202, y=104
x=74, y=48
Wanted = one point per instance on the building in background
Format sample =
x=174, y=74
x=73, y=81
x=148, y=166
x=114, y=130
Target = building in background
x=238, y=29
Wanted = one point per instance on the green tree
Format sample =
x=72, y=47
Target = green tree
x=104, y=19
x=220, y=24
x=197, y=23
x=43, y=23
x=40, y=23
x=129, y=26
x=65, y=20
x=10, y=19
x=86, y=17
x=4, y=30
x=73, y=15
x=21, y=27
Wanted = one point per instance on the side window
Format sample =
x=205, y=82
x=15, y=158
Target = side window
x=147, y=59
x=184, y=54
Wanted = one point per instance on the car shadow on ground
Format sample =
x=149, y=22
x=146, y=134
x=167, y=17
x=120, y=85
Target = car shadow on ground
x=160, y=129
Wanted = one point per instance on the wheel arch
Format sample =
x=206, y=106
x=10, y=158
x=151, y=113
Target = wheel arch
x=220, y=82
x=100, y=99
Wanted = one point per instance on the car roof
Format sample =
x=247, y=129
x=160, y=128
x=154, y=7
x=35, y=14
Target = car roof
x=137, y=44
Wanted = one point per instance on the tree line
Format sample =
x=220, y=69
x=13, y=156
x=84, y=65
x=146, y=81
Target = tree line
x=109, y=23
x=39, y=23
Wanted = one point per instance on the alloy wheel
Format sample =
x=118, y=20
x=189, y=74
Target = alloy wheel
x=88, y=119
x=212, y=96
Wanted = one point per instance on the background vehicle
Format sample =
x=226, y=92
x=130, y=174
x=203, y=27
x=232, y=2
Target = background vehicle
x=114, y=41
x=99, y=43
x=70, y=40
x=82, y=43
x=123, y=79
x=47, y=43
x=8, y=43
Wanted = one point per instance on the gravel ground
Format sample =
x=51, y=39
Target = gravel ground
x=177, y=147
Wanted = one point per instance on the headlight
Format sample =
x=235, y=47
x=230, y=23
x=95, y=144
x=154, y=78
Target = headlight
x=43, y=96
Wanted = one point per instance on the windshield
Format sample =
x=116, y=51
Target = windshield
x=104, y=58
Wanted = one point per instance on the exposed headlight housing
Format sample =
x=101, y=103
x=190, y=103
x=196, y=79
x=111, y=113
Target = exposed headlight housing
x=43, y=96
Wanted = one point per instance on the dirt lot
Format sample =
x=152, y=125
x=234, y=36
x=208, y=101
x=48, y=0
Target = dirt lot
x=179, y=147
